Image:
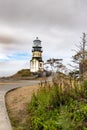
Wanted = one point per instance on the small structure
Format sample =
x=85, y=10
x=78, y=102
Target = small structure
x=36, y=64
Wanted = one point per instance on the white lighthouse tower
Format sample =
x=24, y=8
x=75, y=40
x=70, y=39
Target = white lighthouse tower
x=36, y=64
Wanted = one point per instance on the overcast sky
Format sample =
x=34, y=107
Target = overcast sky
x=58, y=24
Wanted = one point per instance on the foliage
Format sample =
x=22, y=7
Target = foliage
x=74, y=74
x=61, y=105
x=55, y=64
x=57, y=108
x=80, y=56
x=24, y=72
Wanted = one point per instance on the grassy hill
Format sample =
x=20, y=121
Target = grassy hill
x=22, y=73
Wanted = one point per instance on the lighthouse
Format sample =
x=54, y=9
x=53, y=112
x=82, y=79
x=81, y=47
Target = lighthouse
x=36, y=63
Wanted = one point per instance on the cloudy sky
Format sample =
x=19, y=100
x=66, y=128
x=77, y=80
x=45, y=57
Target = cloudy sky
x=58, y=24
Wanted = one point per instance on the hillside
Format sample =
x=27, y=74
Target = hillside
x=23, y=74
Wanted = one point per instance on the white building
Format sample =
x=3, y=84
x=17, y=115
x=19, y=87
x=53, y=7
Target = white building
x=36, y=64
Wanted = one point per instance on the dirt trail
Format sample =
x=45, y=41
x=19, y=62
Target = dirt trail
x=17, y=100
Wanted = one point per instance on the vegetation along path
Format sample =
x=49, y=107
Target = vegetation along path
x=4, y=88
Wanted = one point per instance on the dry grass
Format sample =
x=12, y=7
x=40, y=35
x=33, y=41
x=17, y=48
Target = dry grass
x=17, y=100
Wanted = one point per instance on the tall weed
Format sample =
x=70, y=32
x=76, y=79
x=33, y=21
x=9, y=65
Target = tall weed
x=59, y=106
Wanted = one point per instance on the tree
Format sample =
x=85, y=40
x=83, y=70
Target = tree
x=81, y=56
x=55, y=65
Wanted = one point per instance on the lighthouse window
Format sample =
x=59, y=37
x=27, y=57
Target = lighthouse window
x=40, y=64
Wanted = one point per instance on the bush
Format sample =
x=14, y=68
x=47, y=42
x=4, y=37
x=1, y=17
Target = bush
x=54, y=108
x=57, y=106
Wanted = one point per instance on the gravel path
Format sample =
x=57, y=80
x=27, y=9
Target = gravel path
x=4, y=88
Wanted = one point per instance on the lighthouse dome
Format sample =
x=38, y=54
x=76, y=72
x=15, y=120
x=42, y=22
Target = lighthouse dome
x=37, y=42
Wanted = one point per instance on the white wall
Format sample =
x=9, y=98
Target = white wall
x=35, y=66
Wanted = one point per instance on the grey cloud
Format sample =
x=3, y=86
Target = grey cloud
x=10, y=43
x=11, y=67
x=6, y=39
x=66, y=13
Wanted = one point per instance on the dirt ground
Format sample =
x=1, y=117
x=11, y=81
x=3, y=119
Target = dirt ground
x=17, y=100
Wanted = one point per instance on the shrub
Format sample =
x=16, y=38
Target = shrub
x=57, y=108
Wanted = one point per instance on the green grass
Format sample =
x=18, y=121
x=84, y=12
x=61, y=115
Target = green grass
x=24, y=72
x=57, y=107
x=54, y=108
